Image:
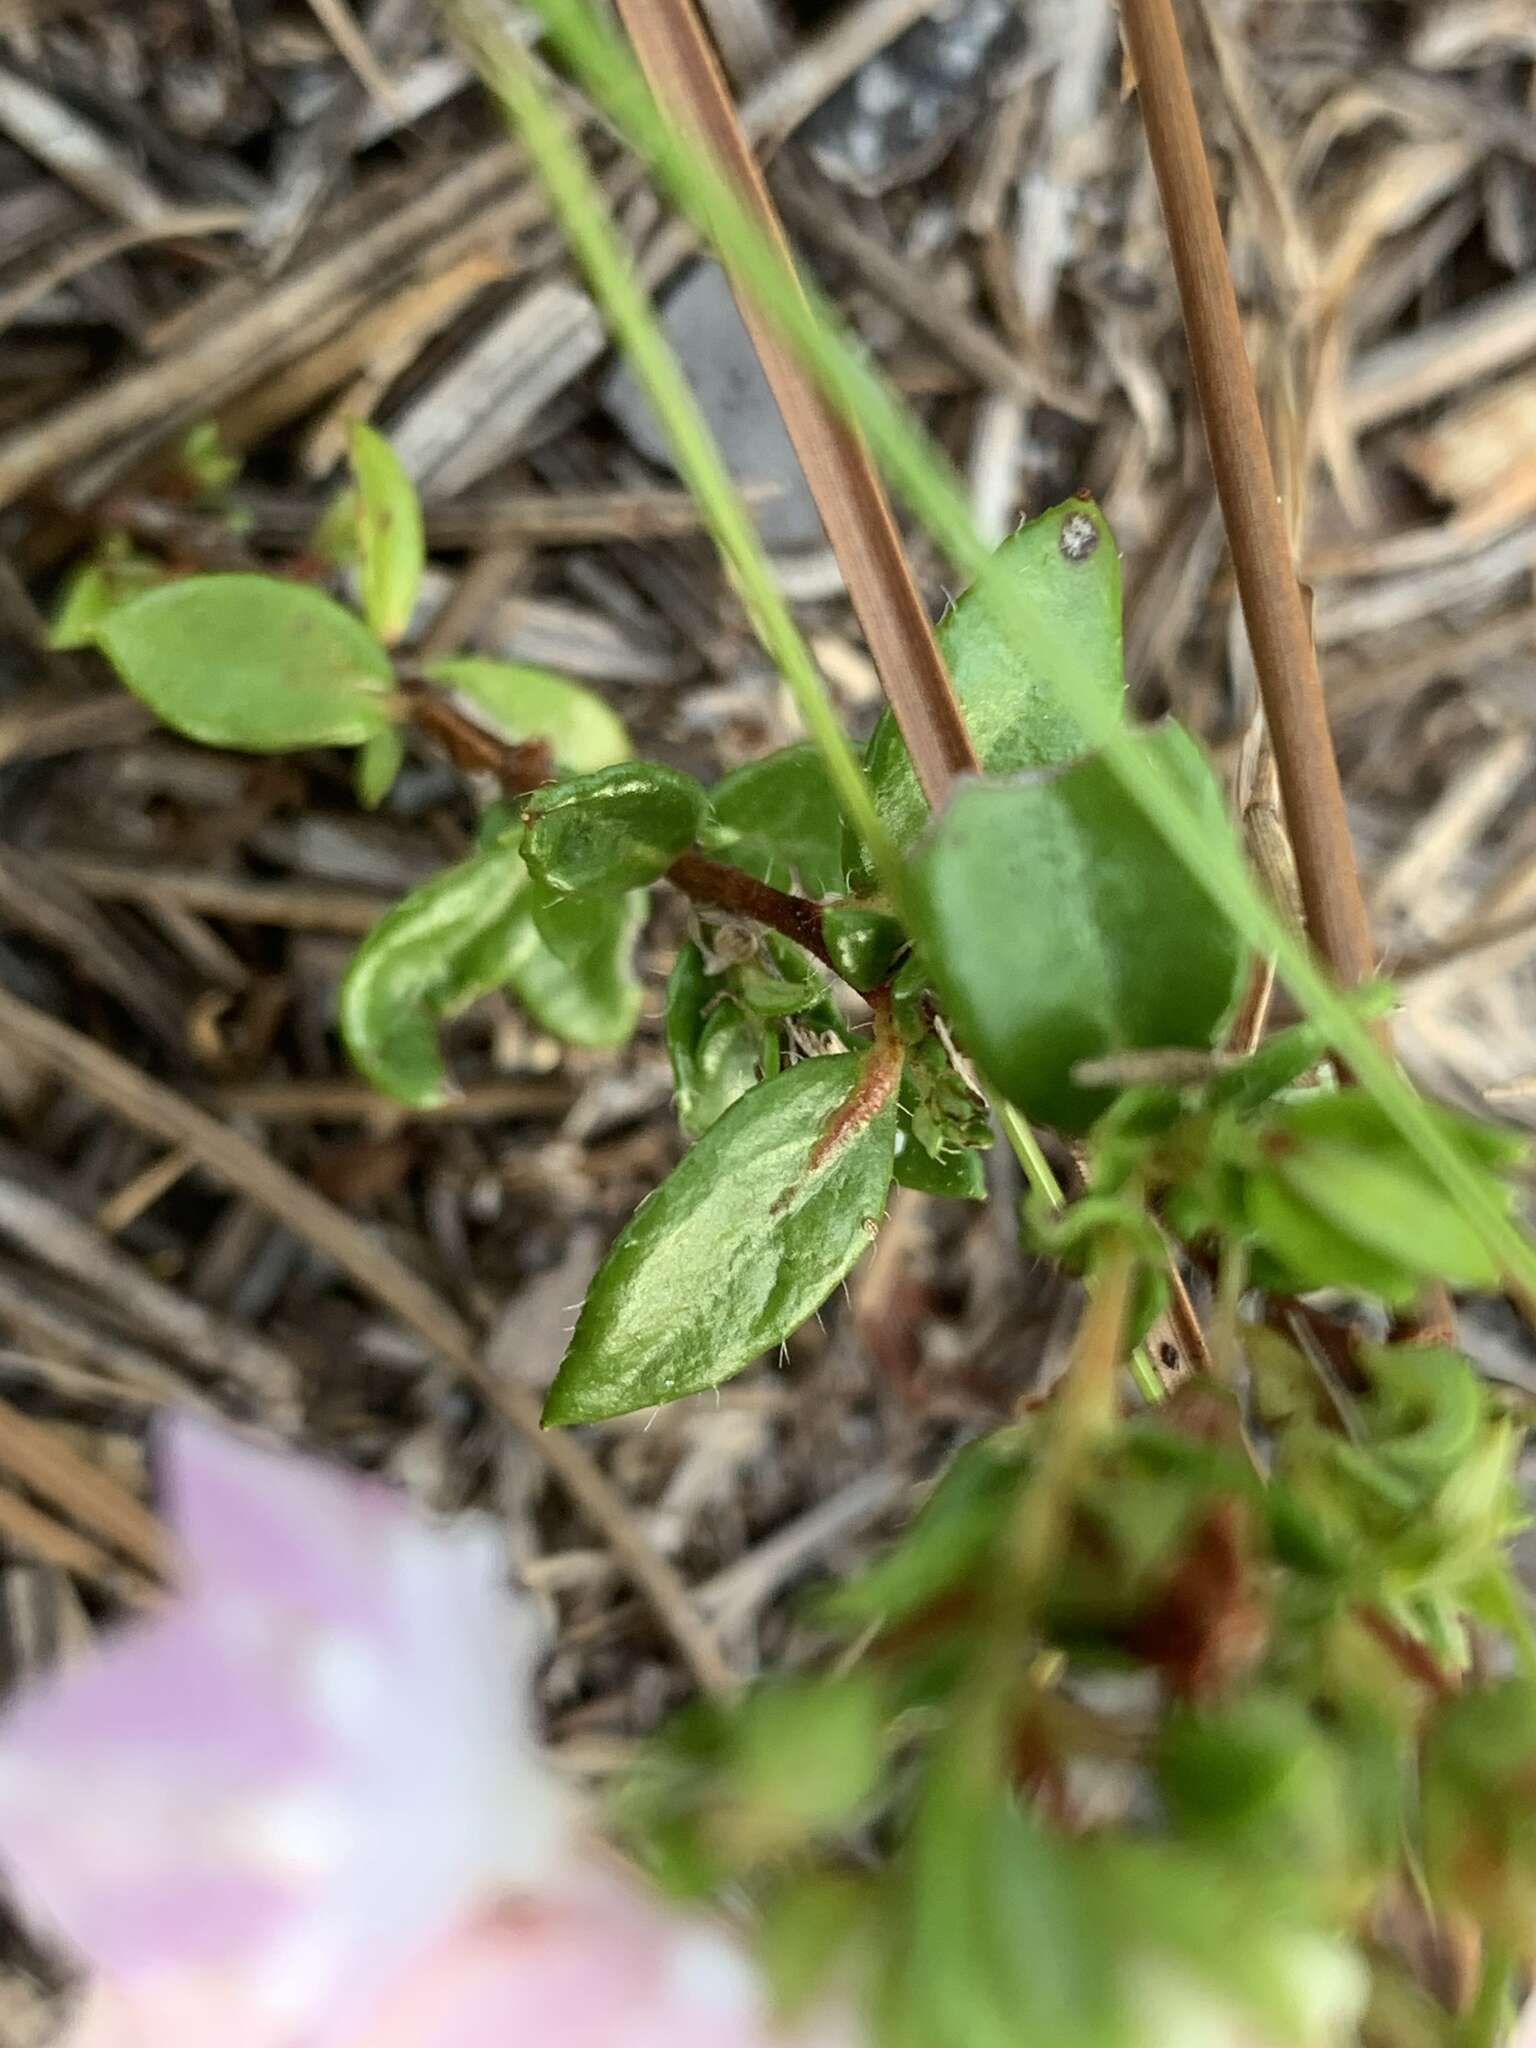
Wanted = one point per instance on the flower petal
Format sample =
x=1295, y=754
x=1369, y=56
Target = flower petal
x=604, y=1966
x=310, y=1766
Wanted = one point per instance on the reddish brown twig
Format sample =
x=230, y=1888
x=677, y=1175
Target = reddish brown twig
x=677, y=59
x=719, y=887
x=519, y=766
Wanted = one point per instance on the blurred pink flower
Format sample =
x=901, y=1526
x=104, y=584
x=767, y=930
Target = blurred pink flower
x=600, y=1967
x=303, y=1805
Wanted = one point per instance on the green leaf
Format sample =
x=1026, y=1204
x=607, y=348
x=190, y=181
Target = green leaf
x=730, y=1060
x=779, y=819
x=333, y=539
x=1060, y=928
x=957, y=1173
x=469, y=930
x=251, y=662
x=581, y=987
x=787, y=985
x=1064, y=568
x=379, y=760
x=1342, y=1197
x=996, y=1939
x=804, y=1931
x=423, y=960
x=117, y=573
x=716, y=1047
x=745, y=1239
x=205, y=461
x=1298, y=1249
x=863, y=945
x=1208, y=1954
x=617, y=828
x=531, y=704
x=691, y=988
x=802, y=1757
x=1256, y=1779
x=391, y=541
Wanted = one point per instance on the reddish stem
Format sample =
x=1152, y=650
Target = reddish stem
x=519, y=768
x=713, y=883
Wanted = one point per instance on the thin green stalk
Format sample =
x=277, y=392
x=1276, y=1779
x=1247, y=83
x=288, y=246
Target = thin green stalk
x=1079, y=1415
x=579, y=204
x=931, y=490
x=1026, y=1149
x=1484, y=2024
x=1144, y=1373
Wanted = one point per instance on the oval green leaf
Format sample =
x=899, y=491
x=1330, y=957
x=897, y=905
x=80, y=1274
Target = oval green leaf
x=532, y=704
x=863, y=945
x=439, y=949
x=469, y=930
x=613, y=830
x=251, y=662
x=391, y=540
x=376, y=764
x=1063, y=568
x=778, y=819
x=1060, y=928
x=1341, y=1188
x=718, y=1049
x=958, y=1173
x=116, y=576
x=570, y=965
x=745, y=1239
x=729, y=1063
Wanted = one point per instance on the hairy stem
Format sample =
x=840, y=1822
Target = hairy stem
x=518, y=767
x=719, y=887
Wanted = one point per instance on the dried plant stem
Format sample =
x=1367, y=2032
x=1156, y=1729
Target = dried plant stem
x=42, y=1459
x=1273, y=607
x=675, y=55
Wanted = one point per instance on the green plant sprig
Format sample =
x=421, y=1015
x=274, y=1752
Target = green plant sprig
x=928, y=485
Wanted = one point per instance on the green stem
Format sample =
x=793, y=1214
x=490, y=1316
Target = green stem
x=1226, y=1335
x=930, y=488
x=1026, y=1149
x=579, y=205
x=1144, y=1373
x=1483, y=2026
x=1079, y=1414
